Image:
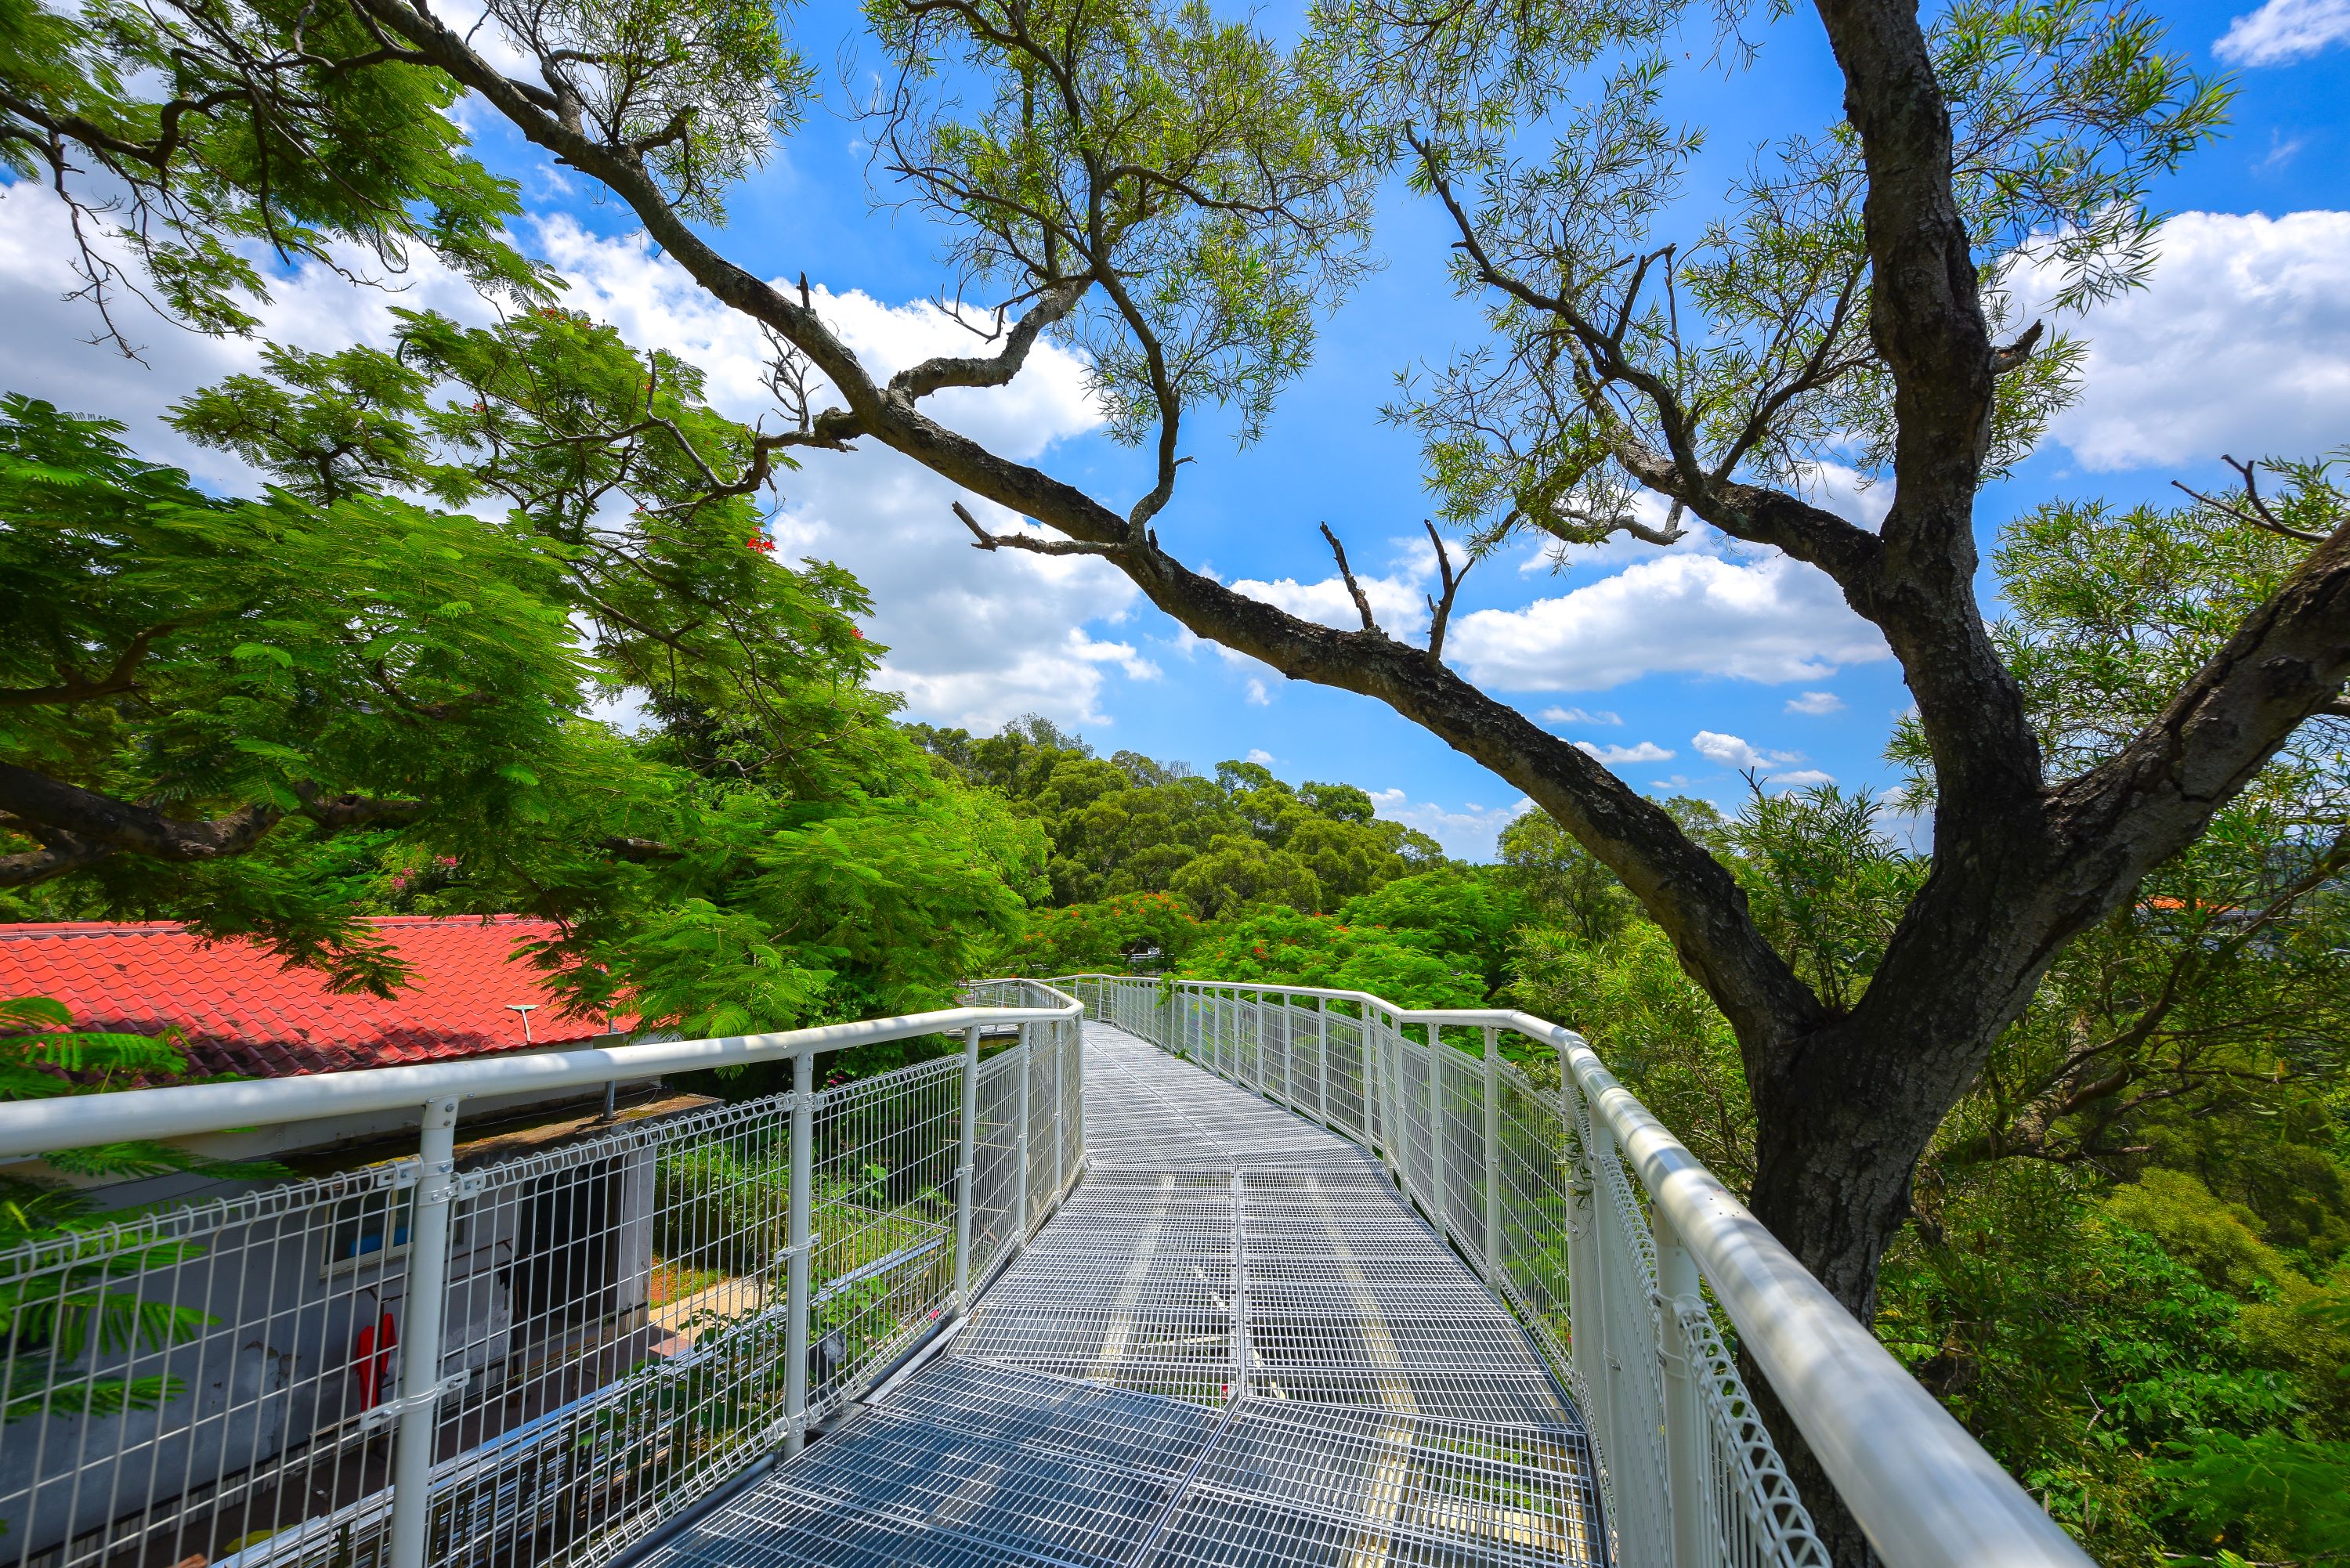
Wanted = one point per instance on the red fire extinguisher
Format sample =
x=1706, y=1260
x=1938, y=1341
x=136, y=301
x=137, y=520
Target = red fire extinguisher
x=371, y=1358
x=387, y=1340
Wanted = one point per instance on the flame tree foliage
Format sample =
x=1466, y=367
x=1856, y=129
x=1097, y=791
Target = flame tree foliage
x=74, y=1302
x=1182, y=197
x=269, y=717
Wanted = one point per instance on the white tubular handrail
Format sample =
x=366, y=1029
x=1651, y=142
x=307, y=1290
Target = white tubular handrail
x=32, y=1127
x=1921, y=1488
x=582, y=1335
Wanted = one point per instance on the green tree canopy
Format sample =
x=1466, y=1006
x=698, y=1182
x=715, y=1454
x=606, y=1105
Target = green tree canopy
x=1127, y=824
x=271, y=718
x=1280, y=945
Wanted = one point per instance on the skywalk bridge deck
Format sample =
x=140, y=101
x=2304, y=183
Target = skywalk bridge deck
x=1233, y=1343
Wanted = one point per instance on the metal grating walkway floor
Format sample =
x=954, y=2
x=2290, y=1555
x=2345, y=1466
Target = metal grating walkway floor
x=1233, y=1344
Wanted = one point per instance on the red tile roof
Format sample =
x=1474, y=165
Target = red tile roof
x=242, y=1011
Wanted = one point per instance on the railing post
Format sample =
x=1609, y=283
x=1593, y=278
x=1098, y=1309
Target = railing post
x=1587, y=1303
x=1257, y=1008
x=1288, y=1055
x=798, y=1245
x=1077, y=1061
x=966, y=1168
x=1685, y=1438
x=1020, y=1143
x=1389, y=1040
x=1322, y=1036
x=1060, y=1106
x=1240, y=1022
x=427, y=1296
x=1377, y=1123
x=1437, y=1200
x=1492, y=1155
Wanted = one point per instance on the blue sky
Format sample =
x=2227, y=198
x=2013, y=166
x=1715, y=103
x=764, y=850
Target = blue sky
x=1720, y=658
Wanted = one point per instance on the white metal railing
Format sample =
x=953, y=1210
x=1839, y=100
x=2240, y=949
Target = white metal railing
x=1608, y=1235
x=537, y=1358
x=534, y=1358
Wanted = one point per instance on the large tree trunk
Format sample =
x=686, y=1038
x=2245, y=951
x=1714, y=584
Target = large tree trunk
x=1836, y=1139
x=1838, y=1133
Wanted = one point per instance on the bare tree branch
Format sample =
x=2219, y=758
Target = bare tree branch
x=991, y=542
x=1354, y=590
x=995, y=369
x=78, y=687
x=1440, y=610
x=2259, y=516
x=80, y=825
x=2013, y=356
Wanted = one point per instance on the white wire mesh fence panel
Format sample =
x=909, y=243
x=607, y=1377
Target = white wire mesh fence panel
x=182, y=1379
x=994, y=1229
x=1549, y=1214
x=1749, y=1499
x=628, y=1318
x=1537, y=1203
x=1622, y=1371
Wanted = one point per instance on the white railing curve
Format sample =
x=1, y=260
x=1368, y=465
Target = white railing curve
x=1608, y=1235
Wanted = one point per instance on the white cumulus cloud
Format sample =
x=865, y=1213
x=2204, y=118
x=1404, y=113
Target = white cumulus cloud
x=1467, y=833
x=2240, y=344
x=1395, y=599
x=1758, y=616
x=1816, y=704
x=1616, y=756
x=1580, y=716
x=2284, y=30
x=1731, y=752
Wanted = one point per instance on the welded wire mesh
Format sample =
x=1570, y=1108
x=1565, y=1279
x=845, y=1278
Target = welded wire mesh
x=1755, y=1505
x=1618, y=1354
x=221, y=1380
x=179, y=1380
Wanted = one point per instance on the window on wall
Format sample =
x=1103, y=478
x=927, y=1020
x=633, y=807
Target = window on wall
x=368, y=1229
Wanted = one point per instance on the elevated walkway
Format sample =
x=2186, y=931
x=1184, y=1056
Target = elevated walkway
x=1233, y=1343
x=1257, y=1275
